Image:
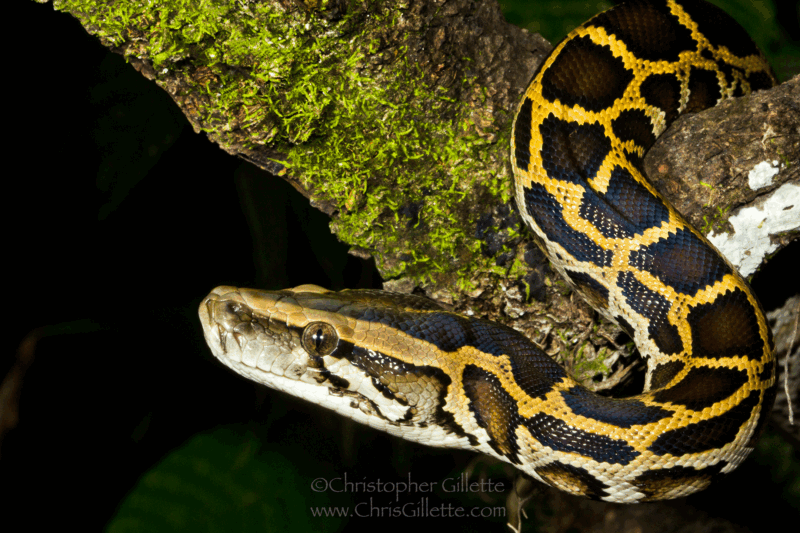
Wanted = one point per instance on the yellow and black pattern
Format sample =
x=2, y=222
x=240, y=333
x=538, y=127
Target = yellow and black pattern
x=401, y=364
x=598, y=103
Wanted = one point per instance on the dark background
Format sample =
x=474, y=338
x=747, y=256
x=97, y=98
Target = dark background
x=119, y=219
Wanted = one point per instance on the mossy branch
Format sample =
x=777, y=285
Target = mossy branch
x=394, y=118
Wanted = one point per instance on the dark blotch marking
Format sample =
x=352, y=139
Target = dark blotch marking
x=627, y=208
x=572, y=152
x=708, y=434
x=316, y=362
x=763, y=416
x=625, y=325
x=663, y=374
x=560, y=436
x=336, y=381
x=547, y=213
x=720, y=28
x=448, y=422
x=324, y=374
x=661, y=483
x=703, y=387
x=648, y=29
x=536, y=374
x=654, y=307
x=449, y=333
x=387, y=392
x=642, y=209
x=383, y=370
x=522, y=135
x=585, y=74
x=726, y=327
x=604, y=216
x=533, y=370
x=704, y=90
x=573, y=479
x=770, y=340
x=376, y=366
x=768, y=372
x=623, y=413
x=591, y=289
x=633, y=125
x=664, y=92
x=494, y=409
x=636, y=160
x=682, y=261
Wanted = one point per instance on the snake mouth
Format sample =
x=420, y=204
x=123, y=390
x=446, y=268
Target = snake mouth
x=254, y=342
x=235, y=335
x=219, y=312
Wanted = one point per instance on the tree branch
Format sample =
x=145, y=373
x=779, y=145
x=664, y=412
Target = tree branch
x=394, y=118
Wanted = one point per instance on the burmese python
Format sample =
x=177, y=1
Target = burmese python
x=402, y=364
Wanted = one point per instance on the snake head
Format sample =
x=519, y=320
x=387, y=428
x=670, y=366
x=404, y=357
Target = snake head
x=334, y=349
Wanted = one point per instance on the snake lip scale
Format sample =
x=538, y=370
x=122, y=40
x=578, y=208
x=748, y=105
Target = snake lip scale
x=402, y=364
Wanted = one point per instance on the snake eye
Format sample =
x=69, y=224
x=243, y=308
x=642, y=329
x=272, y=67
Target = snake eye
x=320, y=339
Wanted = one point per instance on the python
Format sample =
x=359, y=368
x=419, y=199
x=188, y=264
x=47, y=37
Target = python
x=404, y=365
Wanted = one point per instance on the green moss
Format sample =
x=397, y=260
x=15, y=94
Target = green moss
x=715, y=222
x=518, y=270
x=397, y=157
x=587, y=369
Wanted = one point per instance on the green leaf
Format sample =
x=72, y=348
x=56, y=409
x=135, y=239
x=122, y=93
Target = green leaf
x=223, y=481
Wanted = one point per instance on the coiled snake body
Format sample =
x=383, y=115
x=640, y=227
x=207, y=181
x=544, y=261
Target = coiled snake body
x=402, y=364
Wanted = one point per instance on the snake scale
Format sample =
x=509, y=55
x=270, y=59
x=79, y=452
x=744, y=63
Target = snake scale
x=402, y=364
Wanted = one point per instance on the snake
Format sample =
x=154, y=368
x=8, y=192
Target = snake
x=405, y=365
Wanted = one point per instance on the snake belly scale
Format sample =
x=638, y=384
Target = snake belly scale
x=402, y=364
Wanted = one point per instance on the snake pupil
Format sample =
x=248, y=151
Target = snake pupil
x=320, y=338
